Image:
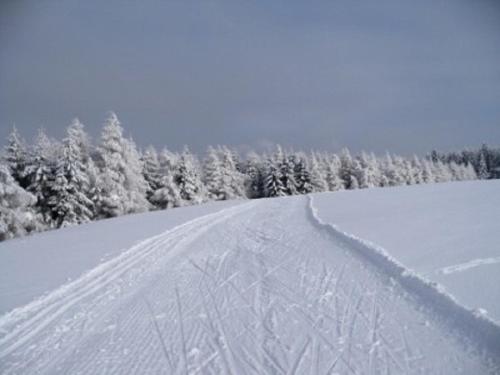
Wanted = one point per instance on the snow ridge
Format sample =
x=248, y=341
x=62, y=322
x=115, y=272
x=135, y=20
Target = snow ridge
x=480, y=329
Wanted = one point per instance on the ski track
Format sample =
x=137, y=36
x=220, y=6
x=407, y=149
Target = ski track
x=259, y=288
x=468, y=265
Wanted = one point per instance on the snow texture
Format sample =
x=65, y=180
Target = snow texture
x=34, y=265
x=263, y=287
x=435, y=230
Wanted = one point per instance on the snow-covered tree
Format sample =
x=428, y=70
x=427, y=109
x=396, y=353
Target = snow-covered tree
x=427, y=173
x=16, y=157
x=302, y=175
x=287, y=164
x=151, y=171
x=482, y=172
x=168, y=162
x=254, y=181
x=367, y=172
x=441, y=172
x=16, y=207
x=213, y=178
x=188, y=179
x=318, y=182
x=332, y=176
x=167, y=195
x=122, y=185
x=233, y=181
x=71, y=199
x=417, y=170
x=40, y=174
x=273, y=183
x=346, y=168
x=135, y=184
x=392, y=171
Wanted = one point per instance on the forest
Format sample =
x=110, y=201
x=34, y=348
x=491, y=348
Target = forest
x=52, y=184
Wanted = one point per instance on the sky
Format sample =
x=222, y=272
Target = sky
x=400, y=75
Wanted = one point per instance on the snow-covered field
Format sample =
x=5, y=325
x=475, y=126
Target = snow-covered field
x=448, y=233
x=34, y=265
x=263, y=287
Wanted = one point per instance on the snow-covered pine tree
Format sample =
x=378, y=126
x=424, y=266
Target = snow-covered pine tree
x=167, y=195
x=135, y=183
x=332, y=177
x=40, y=175
x=17, y=215
x=417, y=170
x=482, y=171
x=302, y=175
x=233, y=181
x=441, y=172
x=16, y=157
x=212, y=177
x=273, y=180
x=188, y=178
x=168, y=162
x=318, y=181
x=370, y=175
x=353, y=184
x=287, y=166
x=346, y=167
x=151, y=170
x=407, y=172
x=470, y=173
x=253, y=170
x=70, y=200
x=427, y=172
x=392, y=171
x=111, y=165
x=122, y=185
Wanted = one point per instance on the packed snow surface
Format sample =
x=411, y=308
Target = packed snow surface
x=262, y=287
x=448, y=233
x=37, y=264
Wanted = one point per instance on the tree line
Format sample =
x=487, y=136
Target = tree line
x=53, y=184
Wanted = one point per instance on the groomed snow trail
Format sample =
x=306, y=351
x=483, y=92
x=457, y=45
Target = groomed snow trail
x=254, y=289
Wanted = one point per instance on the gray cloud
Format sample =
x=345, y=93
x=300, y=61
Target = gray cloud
x=400, y=75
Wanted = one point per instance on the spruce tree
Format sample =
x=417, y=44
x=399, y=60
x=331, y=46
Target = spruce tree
x=273, y=182
x=40, y=175
x=302, y=175
x=16, y=157
x=213, y=178
x=151, y=171
x=317, y=179
x=122, y=186
x=71, y=201
x=233, y=181
x=188, y=179
x=482, y=172
x=254, y=181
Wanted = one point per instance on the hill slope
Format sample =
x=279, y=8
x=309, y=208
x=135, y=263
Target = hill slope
x=261, y=287
x=448, y=233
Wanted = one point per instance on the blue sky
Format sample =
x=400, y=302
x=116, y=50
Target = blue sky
x=404, y=76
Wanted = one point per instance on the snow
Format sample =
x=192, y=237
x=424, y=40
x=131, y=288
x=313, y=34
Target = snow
x=37, y=264
x=250, y=287
x=448, y=233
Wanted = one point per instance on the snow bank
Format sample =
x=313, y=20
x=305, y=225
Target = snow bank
x=433, y=296
x=430, y=228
